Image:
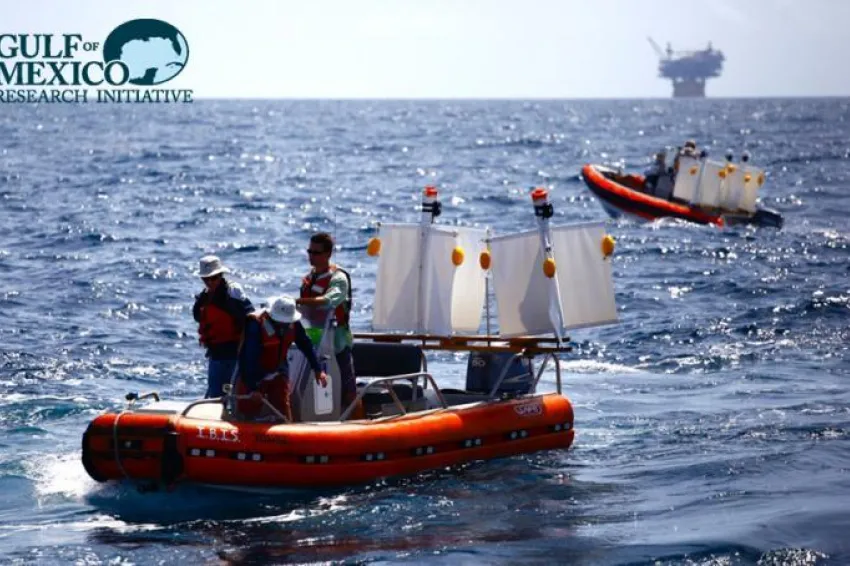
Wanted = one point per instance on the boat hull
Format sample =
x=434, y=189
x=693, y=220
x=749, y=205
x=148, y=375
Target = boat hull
x=621, y=195
x=169, y=448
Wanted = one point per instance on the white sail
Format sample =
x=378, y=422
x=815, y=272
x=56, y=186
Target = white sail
x=733, y=196
x=741, y=188
x=753, y=180
x=437, y=276
x=521, y=289
x=711, y=185
x=419, y=289
x=687, y=178
x=469, y=288
x=583, y=276
x=397, y=298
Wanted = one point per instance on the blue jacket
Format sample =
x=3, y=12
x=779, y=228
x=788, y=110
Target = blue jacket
x=252, y=348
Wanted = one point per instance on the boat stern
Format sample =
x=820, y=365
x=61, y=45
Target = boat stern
x=133, y=446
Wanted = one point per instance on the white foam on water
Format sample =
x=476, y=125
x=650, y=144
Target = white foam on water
x=13, y=397
x=319, y=507
x=96, y=522
x=59, y=475
x=594, y=366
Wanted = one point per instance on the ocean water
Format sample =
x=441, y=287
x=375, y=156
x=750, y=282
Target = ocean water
x=712, y=422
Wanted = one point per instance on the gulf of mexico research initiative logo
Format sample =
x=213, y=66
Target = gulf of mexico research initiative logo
x=154, y=51
x=57, y=68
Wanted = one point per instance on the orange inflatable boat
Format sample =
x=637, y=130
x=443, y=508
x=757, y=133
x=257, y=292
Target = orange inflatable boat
x=427, y=297
x=624, y=194
x=164, y=443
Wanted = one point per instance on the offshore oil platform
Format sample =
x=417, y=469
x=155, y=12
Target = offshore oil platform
x=688, y=69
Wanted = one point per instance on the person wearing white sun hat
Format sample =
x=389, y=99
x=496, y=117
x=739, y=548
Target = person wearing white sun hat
x=262, y=359
x=220, y=311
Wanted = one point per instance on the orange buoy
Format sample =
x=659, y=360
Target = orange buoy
x=539, y=194
x=373, y=248
x=484, y=260
x=549, y=267
x=457, y=256
x=608, y=245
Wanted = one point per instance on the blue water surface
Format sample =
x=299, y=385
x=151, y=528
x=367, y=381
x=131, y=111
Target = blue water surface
x=712, y=422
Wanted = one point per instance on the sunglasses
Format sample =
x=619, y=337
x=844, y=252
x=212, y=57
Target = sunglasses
x=211, y=278
x=316, y=252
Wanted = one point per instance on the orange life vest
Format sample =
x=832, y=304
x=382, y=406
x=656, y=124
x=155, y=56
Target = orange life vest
x=316, y=285
x=275, y=347
x=217, y=326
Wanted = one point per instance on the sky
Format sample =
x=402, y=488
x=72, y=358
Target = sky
x=474, y=48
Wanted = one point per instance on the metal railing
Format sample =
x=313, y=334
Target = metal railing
x=228, y=400
x=543, y=368
x=131, y=398
x=387, y=382
x=494, y=390
x=503, y=374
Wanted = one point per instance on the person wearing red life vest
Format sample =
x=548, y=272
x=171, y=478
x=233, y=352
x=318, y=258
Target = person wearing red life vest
x=220, y=311
x=262, y=358
x=326, y=291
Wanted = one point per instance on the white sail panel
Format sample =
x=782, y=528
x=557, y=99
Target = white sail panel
x=584, y=275
x=711, y=184
x=397, y=291
x=753, y=179
x=438, y=276
x=521, y=289
x=469, y=289
x=733, y=196
x=687, y=178
x=418, y=287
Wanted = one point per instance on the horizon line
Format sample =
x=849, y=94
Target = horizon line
x=513, y=98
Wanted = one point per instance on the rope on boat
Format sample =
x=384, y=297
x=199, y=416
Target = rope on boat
x=131, y=400
x=115, y=444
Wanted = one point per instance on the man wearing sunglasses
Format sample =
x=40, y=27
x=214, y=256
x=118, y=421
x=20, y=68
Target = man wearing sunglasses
x=220, y=310
x=326, y=291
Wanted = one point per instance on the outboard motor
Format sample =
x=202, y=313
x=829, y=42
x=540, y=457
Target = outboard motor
x=768, y=217
x=484, y=369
